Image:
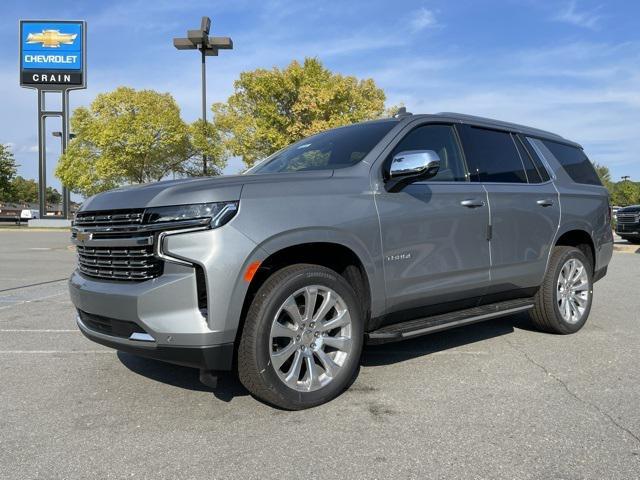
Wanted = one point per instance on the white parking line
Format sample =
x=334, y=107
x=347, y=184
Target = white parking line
x=446, y=352
x=27, y=330
x=22, y=302
x=49, y=352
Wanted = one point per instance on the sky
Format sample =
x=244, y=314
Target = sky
x=568, y=66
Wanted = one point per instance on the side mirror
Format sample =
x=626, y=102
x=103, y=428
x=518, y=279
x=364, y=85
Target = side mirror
x=412, y=165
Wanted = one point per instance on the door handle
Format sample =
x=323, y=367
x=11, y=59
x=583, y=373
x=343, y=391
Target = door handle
x=545, y=203
x=472, y=203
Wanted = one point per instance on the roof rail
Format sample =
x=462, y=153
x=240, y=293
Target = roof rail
x=463, y=117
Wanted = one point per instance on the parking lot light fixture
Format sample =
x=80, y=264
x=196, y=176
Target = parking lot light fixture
x=199, y=39
x=59, y=135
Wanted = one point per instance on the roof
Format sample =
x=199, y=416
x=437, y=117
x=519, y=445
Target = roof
x=489, y=122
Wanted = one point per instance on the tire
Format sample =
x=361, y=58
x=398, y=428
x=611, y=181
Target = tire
x=546, y=313
x=274, y=333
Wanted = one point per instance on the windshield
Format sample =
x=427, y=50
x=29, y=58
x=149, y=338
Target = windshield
x=338, y=148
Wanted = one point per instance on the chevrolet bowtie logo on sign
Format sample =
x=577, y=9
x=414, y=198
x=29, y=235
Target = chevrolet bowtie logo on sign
x=52, y=53
x=52, y=38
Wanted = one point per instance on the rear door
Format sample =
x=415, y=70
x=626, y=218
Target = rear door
x=524, y=208
x=434, y=231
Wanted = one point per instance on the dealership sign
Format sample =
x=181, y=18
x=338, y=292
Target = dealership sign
x=52, y=54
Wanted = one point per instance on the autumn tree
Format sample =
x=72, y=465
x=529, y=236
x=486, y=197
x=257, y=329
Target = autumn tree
x=271, y=109
x=205, y=139
x=125, y=136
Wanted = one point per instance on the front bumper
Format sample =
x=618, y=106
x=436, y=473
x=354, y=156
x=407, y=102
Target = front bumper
x=204, y=357
x=628, y=229
x=167, y=308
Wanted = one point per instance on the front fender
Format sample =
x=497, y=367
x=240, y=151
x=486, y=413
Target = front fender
x=372, y=265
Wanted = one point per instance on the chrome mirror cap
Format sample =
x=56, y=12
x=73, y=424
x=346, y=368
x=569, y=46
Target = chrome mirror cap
x=415, y=163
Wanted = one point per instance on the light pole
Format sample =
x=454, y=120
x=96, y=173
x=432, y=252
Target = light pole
x=208, y=46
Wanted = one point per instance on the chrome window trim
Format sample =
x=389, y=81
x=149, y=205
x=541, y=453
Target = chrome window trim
x=542, y=157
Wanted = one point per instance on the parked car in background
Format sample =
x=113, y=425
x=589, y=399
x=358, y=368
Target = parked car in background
x=375, y=232
x=614, y=211
x=628, y=223
x=28, y=214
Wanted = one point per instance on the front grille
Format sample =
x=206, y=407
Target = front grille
x=119, y=263
x=110, y=220
x=627, y=217
x=110, y=326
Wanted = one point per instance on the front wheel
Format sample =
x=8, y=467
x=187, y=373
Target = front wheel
x=302, y=338
x=563, y=302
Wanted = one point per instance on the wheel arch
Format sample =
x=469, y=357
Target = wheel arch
x=329, y=248
x=579, y=237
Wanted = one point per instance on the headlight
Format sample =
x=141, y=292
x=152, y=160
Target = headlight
x=199, y=214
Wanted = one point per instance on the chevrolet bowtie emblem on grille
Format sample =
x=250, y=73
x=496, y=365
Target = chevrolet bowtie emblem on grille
x=83, y=236
x=52, y=38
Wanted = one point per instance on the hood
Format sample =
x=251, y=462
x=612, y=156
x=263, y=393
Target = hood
x=631, y=209
x=190, y=190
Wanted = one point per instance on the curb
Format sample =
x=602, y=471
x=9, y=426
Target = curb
x=626, y=248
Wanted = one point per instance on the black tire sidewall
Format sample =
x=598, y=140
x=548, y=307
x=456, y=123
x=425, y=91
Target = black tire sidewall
x=300, y=279
x=562, y=324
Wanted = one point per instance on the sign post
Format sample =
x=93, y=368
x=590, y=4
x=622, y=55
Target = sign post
x=52, y=59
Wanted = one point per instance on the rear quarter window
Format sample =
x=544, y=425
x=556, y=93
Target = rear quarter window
x=574, y=161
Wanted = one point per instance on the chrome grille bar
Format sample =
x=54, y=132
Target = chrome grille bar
x=627, y=217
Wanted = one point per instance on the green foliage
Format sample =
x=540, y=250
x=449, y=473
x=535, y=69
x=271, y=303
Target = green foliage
x=625, y=193
x=125, y=136
x=25, y=190
x=604, y=174
x=271, y=109
x=205, y=139
x=53, y=196
x=8, y=169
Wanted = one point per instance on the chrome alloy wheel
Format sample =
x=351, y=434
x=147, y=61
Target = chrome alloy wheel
x=573, y=290
x=310, y=338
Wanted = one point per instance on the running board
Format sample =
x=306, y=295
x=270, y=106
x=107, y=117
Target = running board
x=436, y=323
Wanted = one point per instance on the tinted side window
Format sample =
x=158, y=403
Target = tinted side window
x=575, y=162
x=532, y=172
x=542, y=169
x=442, y=140
x=492, y=156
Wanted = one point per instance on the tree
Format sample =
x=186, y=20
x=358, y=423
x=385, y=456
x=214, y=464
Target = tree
x=125, y=136
x=605, y=176
x=25, y=190
x=626, y=193
x=53, y=196
x=272, y=108
x=8, y=169
x=205, y=139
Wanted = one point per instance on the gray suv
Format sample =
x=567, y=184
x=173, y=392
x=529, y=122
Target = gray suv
x=374, y=232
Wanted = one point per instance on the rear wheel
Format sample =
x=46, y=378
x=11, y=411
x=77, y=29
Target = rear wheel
x=302, y=338
x=563, y=303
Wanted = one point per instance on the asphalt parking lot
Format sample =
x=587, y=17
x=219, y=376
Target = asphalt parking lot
x=494, y=400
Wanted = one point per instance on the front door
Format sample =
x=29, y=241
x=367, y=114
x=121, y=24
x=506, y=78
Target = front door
x=434, y=232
